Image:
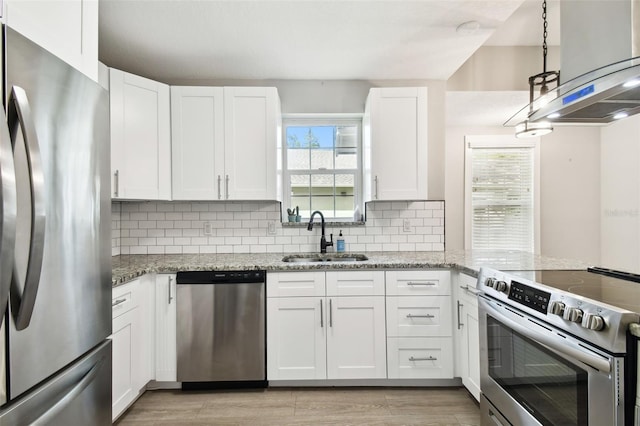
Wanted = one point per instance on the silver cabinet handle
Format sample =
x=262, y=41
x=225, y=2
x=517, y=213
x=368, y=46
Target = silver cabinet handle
x=470, y=290
x=8, y=212
x=428, y=283
x=116, y=183
x=420, y=316
x=460, y=305
x=375, y=181
x=117, y=302
x=219, y=187
x=19, y=117
x=330, y=314
x=423, y=359
x=321, y=315
x=226, y=187
x=169, y=286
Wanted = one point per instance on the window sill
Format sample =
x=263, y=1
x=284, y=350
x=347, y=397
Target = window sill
x=327, y=224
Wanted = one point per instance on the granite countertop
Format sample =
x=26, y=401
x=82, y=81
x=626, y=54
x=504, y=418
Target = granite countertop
x=127, y=267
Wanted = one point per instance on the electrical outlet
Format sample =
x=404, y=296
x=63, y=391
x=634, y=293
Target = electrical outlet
x=207, y=228
x=271, y=227
x=406, y=225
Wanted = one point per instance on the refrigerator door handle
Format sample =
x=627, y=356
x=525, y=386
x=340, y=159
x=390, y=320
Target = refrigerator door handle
x=19, y=116
x=77, y=389
x=8, y=211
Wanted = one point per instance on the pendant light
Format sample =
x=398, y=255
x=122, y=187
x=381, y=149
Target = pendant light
x=526, y=128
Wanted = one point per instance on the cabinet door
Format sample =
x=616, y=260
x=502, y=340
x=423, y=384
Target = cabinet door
x=123, y=390
x=250, y=149
x=166, y=364
x=145, y=343
x=66, y=28
x=355, y=283
x=356, y=340
x=197, y=135
x=296, y=338
x=471, y=339
x=140, y=137
x=398, y=132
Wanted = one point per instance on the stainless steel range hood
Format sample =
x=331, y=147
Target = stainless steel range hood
x=602, y=83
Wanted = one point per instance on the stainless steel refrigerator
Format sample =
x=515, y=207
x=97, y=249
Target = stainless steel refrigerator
x=55, y=264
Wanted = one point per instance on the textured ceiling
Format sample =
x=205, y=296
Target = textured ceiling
x=178, y=40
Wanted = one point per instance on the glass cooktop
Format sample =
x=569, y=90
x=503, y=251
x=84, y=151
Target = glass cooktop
x=619, y=291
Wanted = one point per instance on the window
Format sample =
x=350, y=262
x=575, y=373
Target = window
x=501, y=201
x=322, y=166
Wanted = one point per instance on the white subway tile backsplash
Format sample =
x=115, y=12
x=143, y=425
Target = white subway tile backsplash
x=242, y=227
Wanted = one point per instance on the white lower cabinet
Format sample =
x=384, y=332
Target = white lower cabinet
x=165, y=331
x=419, y=335
x=467, y=334
x=132, y=344
x=325, y=337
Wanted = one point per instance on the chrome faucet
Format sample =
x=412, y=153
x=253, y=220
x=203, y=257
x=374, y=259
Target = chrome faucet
x=323, y=241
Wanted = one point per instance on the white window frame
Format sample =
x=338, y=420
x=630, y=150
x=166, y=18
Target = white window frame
x=500, y=141
x=320, y=120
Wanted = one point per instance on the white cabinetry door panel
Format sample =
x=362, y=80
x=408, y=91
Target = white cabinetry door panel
x=471, y=380
x=140, y=137
x=467, y=334
x=66, y=28
x=398, y=132
x=296, y=333
x=418, y=283
x=356, y=338
x=250, y=149
x=166, y=355
x=355, y=283
x=197, y=118
x=419, y=316
x=295, y=284
x=123, y=392
x=418, y=357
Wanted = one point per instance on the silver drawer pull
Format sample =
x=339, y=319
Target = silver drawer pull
x=117, y=302
x=420, y=316
x=428, y=283
x=423, y=359
x=470, y=290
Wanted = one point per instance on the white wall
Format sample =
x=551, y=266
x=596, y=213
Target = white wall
x=569, y=190
x=570, y=193
x=620, y=196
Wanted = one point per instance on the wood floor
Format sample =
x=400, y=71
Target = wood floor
x=305, y=406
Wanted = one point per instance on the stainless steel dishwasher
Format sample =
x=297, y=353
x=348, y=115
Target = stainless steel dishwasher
x=221, y=329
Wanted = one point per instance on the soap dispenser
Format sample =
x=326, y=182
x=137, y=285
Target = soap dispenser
x=340, y=243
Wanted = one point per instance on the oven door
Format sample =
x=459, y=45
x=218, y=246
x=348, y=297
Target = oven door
x=535, y=375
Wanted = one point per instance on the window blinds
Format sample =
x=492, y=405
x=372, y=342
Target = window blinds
x=502, y=198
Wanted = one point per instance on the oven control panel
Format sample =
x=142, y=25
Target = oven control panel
x=531, y=297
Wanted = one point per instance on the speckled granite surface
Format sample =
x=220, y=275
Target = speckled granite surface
x=128, y=267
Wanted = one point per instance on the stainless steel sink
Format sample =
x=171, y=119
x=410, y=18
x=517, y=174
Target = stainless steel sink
x=351, y=257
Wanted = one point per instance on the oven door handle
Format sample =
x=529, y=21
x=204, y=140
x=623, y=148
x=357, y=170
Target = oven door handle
x=561, y=348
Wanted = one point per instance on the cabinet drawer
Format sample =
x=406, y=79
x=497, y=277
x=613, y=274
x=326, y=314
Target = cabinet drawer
x=418, y=283
x=424, y=316
x=124, y=298
x=295, y=284
x=420, y=358
x=355, y=283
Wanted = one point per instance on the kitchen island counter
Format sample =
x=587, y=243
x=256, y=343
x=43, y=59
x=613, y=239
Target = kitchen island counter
x=127, y=267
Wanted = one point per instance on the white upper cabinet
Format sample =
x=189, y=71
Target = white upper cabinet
x=66, y=28
x=140, y=137
x=197, y=135
x=225, y=143
x=251, y=131
x=395, y=144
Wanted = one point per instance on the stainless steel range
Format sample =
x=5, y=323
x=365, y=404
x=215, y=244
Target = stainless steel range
x=555, y=347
